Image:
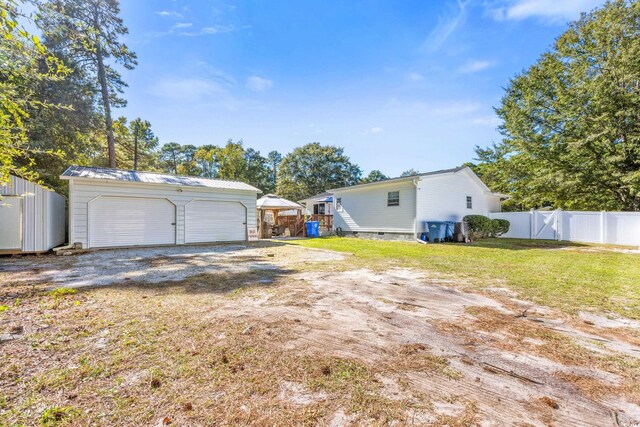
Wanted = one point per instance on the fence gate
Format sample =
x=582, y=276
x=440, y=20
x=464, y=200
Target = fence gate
x=545, y=225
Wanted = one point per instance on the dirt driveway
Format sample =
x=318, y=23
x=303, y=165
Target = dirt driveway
x=281, y=335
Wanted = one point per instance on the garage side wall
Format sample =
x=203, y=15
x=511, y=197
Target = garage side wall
x=83, y=192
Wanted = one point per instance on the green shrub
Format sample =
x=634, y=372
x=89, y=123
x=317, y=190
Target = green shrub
x=479, y=226
x=499, y=227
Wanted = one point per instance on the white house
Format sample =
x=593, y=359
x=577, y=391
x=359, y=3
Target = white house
x=32, y=217
x=120, y=208
x=399, y=207
x=320, y=204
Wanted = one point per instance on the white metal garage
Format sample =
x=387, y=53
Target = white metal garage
x=227, y=224
x=121, y=208
x=131, y=221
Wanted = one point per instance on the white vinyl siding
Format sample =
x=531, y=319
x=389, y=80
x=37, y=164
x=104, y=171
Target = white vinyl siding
x=82, y=191
x=446, y=197
x=43, y=216
x=11, y=223
x=365, y=209
x=131, y=221
x=210, y=221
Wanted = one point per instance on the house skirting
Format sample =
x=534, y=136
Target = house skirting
x=381, y=235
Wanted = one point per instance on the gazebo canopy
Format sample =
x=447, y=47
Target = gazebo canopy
x=273, y=202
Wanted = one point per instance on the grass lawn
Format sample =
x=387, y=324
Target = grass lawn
x=276, y=334
x=564, y=275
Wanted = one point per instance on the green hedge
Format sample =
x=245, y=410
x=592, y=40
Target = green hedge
x=479, y=226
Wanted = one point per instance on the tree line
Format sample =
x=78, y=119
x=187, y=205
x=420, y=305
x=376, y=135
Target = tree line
x=60, y=92
x=570, y=123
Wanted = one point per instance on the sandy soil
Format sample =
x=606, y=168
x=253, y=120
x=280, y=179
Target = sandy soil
x=487, y=358
x=154, y=265
x=369, y=316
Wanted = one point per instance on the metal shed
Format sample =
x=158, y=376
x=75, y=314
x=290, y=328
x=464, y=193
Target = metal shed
x=32, y=218
x=123, y=208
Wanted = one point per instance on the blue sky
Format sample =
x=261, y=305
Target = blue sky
x=400, y=85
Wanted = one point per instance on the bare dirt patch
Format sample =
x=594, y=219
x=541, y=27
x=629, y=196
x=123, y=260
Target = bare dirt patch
x=240, y=337
x=154, y=265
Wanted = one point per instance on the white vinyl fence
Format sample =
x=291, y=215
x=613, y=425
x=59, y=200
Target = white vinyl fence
x=616, y=228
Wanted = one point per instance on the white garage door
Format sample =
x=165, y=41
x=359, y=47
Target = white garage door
x=131, y=221
x=209, y=221
x=10, y=223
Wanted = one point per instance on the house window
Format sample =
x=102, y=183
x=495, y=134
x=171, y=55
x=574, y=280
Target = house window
x=393, y=198
x=469, y=202
x=339, y=204
x=318, y=209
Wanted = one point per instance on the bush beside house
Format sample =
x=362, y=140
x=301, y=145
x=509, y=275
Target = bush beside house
x=479, y=226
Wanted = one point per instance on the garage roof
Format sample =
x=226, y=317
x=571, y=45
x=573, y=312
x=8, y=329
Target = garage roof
x=88, y=172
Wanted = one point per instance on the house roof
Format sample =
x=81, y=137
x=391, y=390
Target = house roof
x=271, y=201
x=322, y=197
x=99, y=173
x=403, y=178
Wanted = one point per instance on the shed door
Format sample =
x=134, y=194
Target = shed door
x=210, y=221
x=131, y=221
x=10, y=223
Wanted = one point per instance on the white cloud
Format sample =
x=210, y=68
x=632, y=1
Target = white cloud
x=555, y=11
x=475, y=66
x=181, y=25
x=373, y=130
x=187, y=89
x=210, y=30
x=218, y=29
x=415, y=77
x=447, y=24
x=216, y=74
x=169, y=14
x=258, y=84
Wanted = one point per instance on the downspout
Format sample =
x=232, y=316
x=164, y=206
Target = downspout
x=415, y=215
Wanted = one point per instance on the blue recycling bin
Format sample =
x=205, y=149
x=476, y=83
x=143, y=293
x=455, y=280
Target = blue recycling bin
x=436, y=230
x=450, y=228
x=313, y=228
x=440, y=231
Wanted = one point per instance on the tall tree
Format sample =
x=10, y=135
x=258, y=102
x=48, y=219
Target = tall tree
x=25, y=63
x=374, y=176
x=189, y=165
x=258, y=171
x=231, y=160
x=315, y=168
x=89, y=32
x=171, y=155
x=136, y=144
x=144, y=143
x=571, y=122
x=274, y=158
x=207, y=160
x=73, y=132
